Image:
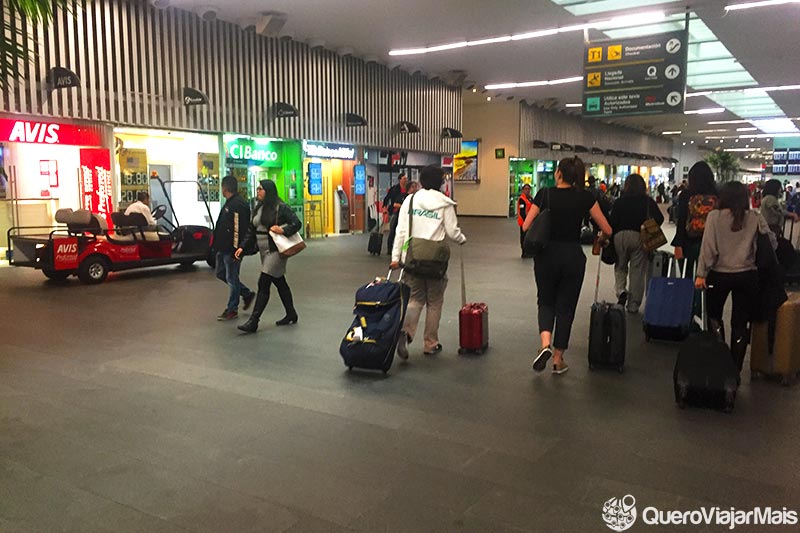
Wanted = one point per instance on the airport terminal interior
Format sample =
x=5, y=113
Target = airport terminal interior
x=129, y=403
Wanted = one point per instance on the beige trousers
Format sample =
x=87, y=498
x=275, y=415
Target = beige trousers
x=425, y=293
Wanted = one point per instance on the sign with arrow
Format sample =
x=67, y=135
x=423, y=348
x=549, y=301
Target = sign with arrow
x=640, y=76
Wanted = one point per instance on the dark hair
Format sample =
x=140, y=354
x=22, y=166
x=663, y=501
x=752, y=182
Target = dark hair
x=736, y=197
x=572, y=171
x=230, y=184
x=142, y=196
x=773, y=187
x=401, y=176
x=431, y=177
x=269, y=203
x=634, y=186
x=701, y=180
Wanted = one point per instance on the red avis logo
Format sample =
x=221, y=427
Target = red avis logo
x=34, y=132
x=71, y=248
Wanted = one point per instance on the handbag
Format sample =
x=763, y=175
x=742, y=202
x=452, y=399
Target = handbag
x=766, y=258
x=425, y=258
x=608, y=254
x=651, y=235
x=287, y=246
x=250, y=247
x=538, y=235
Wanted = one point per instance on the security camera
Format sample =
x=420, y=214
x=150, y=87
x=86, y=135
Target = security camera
x=209, y=13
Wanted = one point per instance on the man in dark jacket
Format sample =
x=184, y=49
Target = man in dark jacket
x=232, y=224
x=392, y=202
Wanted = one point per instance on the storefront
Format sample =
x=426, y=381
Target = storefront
x=335, y=200
x=538, y=173
x=47, y=165
x=181, y=159
x=252, y=159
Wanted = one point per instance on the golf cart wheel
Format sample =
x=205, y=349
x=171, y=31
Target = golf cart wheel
x=212, y=260
x=93, y=269
x=185, y=265
x=56, y=275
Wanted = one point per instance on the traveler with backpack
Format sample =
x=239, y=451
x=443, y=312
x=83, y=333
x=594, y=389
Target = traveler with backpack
x=771, y=208
x=694, y=205
x=727, y=263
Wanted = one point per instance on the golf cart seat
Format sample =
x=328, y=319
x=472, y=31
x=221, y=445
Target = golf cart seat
x=133, y=227
x=81, y=221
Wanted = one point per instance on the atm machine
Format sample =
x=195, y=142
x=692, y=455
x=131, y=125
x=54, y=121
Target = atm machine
x=342, y=211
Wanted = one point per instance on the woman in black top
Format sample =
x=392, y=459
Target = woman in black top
x=560, y=267
x=270, y=214
x=627, y=216
x=701, y=182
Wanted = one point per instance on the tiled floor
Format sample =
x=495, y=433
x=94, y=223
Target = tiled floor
x=128, y=407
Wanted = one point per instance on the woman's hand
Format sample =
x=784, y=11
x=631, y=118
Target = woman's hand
x=394, y=265
x=678, y=253
x=277, y=229
x=700, y=283
x=238, y=254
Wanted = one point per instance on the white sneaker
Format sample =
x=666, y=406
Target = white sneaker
x=402, y=346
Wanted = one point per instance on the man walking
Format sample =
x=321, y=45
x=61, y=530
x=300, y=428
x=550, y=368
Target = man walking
x=392, y=202
x=232, y=224
x=523, y=205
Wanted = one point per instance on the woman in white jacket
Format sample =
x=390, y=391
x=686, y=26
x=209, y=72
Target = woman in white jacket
x=434, y=219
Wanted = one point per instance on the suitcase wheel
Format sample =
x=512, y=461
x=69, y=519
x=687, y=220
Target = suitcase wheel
x=479, y=351
x=621, y=369
x=756, y=376
x=462, y=351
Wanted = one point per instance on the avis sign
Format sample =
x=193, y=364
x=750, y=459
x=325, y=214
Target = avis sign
x=33, y=132
x=65, y=253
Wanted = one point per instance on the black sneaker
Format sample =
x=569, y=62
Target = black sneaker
x=540, y=363
x=623, y=299
x=228, y=315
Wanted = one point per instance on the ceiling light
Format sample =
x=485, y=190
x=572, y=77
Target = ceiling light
x=573, y=105
x=729, y=122
x=741, y=150
x=706, y=111
x=722, y=141
x=774, y=125
x=474, y=90
x=617, y=22
x=759, y=3
x=692, y=142
x=711, y=131
x=747, y=90
x=513, y=85
x=746, y=129
x=488, y=98
x=677, y=132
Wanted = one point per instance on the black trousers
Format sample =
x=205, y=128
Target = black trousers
x=393, y=219
x=559, y=271
x=743, y=286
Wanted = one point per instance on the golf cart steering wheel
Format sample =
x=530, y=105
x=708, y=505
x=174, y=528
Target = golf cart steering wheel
x=159, y=212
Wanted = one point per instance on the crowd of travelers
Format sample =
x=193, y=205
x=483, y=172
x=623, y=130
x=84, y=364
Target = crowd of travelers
x=716, y=236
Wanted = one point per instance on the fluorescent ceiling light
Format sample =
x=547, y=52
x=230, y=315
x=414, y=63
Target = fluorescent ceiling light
x=760, y=3
x=747, y=90
x=742, y=149
x=573, y=105
x=678, y=132
x=746, y=129
x=514, y=85
x=706, y=111
x=729, y=122
x=775, y=125
x=768, y=136
x=617, y=22
x=712, y=131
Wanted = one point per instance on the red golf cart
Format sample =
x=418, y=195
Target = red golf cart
x=83, y=244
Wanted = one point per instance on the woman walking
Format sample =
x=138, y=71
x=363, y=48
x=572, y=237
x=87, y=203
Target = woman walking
x=727, y=263
x=270, y=214
x=560, y=267
x=627, y=217
x=771, y=208
x=694, y=204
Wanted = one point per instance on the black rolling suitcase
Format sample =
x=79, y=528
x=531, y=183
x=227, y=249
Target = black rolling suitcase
x=705, y=373
x=375, y=243
x=380, y=310
x=607, y=333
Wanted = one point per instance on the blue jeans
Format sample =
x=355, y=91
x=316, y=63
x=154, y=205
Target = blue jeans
x=227, y=270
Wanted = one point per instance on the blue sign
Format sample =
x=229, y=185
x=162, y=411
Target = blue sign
x=360, y=179
x=315, y=178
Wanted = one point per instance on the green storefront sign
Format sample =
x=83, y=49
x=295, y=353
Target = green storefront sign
x=263, y=153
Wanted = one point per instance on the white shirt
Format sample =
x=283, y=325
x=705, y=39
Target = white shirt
x=141, y=208
x=434, y=219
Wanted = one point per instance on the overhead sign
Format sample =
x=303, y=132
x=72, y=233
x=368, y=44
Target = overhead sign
x=315, y=179
x=329, y=151
x=26, y=131
x=641, y=76
x=360, y=178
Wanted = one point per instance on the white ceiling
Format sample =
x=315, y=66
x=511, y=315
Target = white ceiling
x=764, y=41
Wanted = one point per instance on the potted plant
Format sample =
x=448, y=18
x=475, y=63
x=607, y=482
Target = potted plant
x=725, y=164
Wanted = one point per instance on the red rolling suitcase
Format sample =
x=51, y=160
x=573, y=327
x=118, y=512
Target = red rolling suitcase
x=473, y=322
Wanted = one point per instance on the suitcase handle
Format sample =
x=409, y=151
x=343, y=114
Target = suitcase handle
x=463, y=281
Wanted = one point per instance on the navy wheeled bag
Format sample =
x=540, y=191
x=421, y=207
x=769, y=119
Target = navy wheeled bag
x=668, y=311
x=380, y=310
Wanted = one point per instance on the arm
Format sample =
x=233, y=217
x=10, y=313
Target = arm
x=600, y=219
x=682, y=213
x=763, y=227
x=291, y=224
x=709, y=250
x=401, y=233
x=655, y=211
x=532, y=214
x=451, y=225
x=247, y=241
x=521, y=208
